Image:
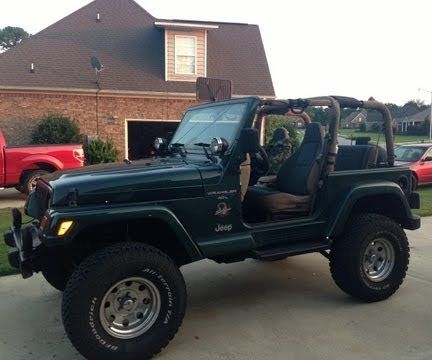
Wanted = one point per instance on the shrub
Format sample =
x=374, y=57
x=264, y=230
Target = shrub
x=99, y=151
x=375, y=127
x=56, y=129
x=362, y=127
x=276, y=121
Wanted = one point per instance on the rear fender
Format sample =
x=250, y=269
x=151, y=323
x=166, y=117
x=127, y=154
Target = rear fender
x=30, y=162
x=385, y=197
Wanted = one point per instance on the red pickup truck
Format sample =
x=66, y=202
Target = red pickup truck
x=21, y=166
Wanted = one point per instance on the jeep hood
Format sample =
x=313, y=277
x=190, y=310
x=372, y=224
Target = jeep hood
x=146, y=180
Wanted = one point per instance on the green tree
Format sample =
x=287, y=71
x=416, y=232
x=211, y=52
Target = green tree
x=11, y=36
x=426, y=125
x=321, y=115
x=99, y=151
x=56, y=129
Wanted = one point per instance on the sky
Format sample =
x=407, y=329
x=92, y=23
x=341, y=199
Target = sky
x=314, y=47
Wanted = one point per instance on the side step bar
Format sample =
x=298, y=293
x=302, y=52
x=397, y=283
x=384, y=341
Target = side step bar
x=298, y=248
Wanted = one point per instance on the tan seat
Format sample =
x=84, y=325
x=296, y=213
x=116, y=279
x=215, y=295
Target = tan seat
x=245, y=171
x=296, y=181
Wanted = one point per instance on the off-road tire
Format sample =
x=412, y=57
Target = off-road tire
x=29, y=178
x=348, y=252
x=96, y=275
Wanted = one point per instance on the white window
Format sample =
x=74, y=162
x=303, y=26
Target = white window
x=185, y=55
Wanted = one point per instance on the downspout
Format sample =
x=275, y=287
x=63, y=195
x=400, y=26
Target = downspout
x=97, y=104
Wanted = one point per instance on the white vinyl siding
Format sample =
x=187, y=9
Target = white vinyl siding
x=185, y=57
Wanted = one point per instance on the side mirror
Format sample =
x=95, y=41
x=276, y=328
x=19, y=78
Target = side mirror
x=161, y=146
x=249, y=141
x=427, y=158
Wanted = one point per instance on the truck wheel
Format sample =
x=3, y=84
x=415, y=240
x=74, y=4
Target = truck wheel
x=126, y=301
x=371, y=259
x=30, y=179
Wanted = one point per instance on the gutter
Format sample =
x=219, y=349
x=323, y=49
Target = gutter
x=114, y=93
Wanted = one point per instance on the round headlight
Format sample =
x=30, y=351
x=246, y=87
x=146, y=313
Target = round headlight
x=218, y=146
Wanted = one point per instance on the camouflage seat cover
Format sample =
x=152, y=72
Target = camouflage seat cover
x=279, y=149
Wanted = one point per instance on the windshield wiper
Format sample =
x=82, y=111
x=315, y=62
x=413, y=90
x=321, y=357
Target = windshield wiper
x=179, y=148
x=205, y=147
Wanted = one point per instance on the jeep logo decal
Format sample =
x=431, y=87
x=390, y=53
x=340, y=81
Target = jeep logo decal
x=223, y=228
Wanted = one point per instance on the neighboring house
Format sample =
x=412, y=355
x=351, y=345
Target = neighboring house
x=148, y=79
x=401, y=124
x=354, y=119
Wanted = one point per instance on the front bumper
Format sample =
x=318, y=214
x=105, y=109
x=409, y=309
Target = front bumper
x=24, y=243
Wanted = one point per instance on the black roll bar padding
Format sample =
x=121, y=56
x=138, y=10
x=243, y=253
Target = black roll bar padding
x=275, y=107
x=348, y=102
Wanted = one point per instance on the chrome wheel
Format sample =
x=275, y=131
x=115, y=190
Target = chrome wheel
x=130, y=308
x=378, y=260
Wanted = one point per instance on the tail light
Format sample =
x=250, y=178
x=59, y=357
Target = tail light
x=79, y=155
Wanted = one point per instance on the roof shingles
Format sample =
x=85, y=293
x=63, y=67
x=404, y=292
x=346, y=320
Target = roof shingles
x=131, y=48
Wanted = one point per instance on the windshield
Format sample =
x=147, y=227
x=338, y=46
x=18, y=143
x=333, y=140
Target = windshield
x=409, y=153
x=203, y=124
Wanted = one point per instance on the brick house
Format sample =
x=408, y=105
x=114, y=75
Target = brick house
x=148, y=78
x=354, y=119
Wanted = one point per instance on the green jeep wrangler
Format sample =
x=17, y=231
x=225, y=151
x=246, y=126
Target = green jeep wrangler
x=113, y=237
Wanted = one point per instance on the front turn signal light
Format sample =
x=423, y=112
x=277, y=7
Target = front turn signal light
x=64, y=227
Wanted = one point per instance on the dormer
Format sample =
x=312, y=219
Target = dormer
x=185, y=49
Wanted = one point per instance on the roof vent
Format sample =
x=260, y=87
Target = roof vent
x=98, y=17
x=32, y=68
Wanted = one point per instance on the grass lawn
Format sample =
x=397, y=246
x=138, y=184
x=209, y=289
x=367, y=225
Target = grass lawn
x=399, y=139
x=6, y=221
x=425, y=201
x=5, y=224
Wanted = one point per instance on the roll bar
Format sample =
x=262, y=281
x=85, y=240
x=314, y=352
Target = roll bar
x=336, y=103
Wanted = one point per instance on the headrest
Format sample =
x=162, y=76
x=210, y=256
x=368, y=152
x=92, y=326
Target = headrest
x=314, y=133
x=249, y=140
x=280, y=134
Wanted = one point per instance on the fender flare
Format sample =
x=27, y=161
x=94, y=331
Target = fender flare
x=86, y=218
x=28, y=161
x=342, y=212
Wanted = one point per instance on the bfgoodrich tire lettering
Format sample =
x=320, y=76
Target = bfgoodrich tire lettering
x=82, y=301
x=351, y=257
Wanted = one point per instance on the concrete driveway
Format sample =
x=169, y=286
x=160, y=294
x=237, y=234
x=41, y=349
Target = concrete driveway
x=284, y=310
x=10, y=198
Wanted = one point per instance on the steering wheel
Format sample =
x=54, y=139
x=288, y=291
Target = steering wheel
x=260, y=165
